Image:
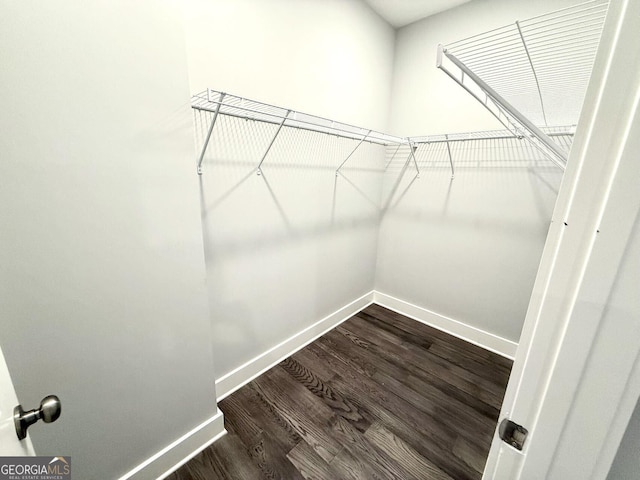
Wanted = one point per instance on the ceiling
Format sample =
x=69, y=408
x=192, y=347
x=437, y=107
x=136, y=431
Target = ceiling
x=403, y=12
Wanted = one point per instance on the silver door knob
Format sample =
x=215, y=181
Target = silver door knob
x=49, y=411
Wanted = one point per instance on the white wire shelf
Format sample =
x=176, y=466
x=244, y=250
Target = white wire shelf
x=564, y=135
x=221, y=103
x=240, y=107
x=541, y=65
x=532, y=73
x=558, y=131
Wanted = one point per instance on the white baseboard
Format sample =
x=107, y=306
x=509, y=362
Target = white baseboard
x=474, y=335
x=232, y=381
x=173, y=456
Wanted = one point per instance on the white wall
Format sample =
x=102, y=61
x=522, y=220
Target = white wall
x=424, y=99
x=332, y=58
x=468, y=248
x=102, y=287
x=290, y=247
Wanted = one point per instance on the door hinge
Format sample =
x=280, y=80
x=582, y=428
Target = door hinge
x=512, y=433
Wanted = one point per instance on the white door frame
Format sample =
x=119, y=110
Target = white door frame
x=576, y=376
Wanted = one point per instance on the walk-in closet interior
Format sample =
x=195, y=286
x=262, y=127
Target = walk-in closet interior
x=323, y=239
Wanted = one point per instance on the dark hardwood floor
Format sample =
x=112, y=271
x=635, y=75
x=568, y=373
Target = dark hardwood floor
x=379, y=397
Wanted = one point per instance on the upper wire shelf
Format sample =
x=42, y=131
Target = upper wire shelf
x=541, y=65
x=533, y=73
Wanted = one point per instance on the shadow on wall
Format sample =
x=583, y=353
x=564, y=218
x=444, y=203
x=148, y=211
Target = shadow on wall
x=290, y=245
x=293, y=244
x=504, y=159
x=467, y=247
x=296, y=194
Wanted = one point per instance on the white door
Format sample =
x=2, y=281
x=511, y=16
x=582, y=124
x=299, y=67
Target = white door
x=10, y=446
x=576, y=376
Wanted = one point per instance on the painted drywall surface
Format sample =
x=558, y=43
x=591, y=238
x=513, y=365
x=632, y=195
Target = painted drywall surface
x=615, y=345
x=425, y=100
x=332, y=58
x=622, y=313
x=103, y=282
x=468, y=247
x=288, y=247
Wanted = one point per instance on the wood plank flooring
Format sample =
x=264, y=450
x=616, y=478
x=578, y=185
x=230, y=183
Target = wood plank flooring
x=379, y=397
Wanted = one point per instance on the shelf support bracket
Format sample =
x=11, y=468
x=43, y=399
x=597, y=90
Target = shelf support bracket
x=533, y=70
x=210, y=131
x=399, y=179
x=392, y=157
x=450, y=156
x=275, y=135
x=413, y=147
x=353, y=151
x=516, y=121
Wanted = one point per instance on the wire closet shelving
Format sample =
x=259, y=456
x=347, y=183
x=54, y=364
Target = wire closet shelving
x=221, y=103
x=531, y=73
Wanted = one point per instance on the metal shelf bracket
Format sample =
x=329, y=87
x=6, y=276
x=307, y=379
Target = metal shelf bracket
x=353, y=151
x=275, y=135
x=506, y=114
x=450, y=157
x=533, y=71
x=218, y=103
x=392, y=157
x=210, y=131
x=413, y=147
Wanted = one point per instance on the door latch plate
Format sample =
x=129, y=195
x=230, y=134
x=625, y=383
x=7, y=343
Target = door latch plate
x=512, y=433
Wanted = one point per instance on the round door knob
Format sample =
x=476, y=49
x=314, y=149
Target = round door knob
x=49, y=411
